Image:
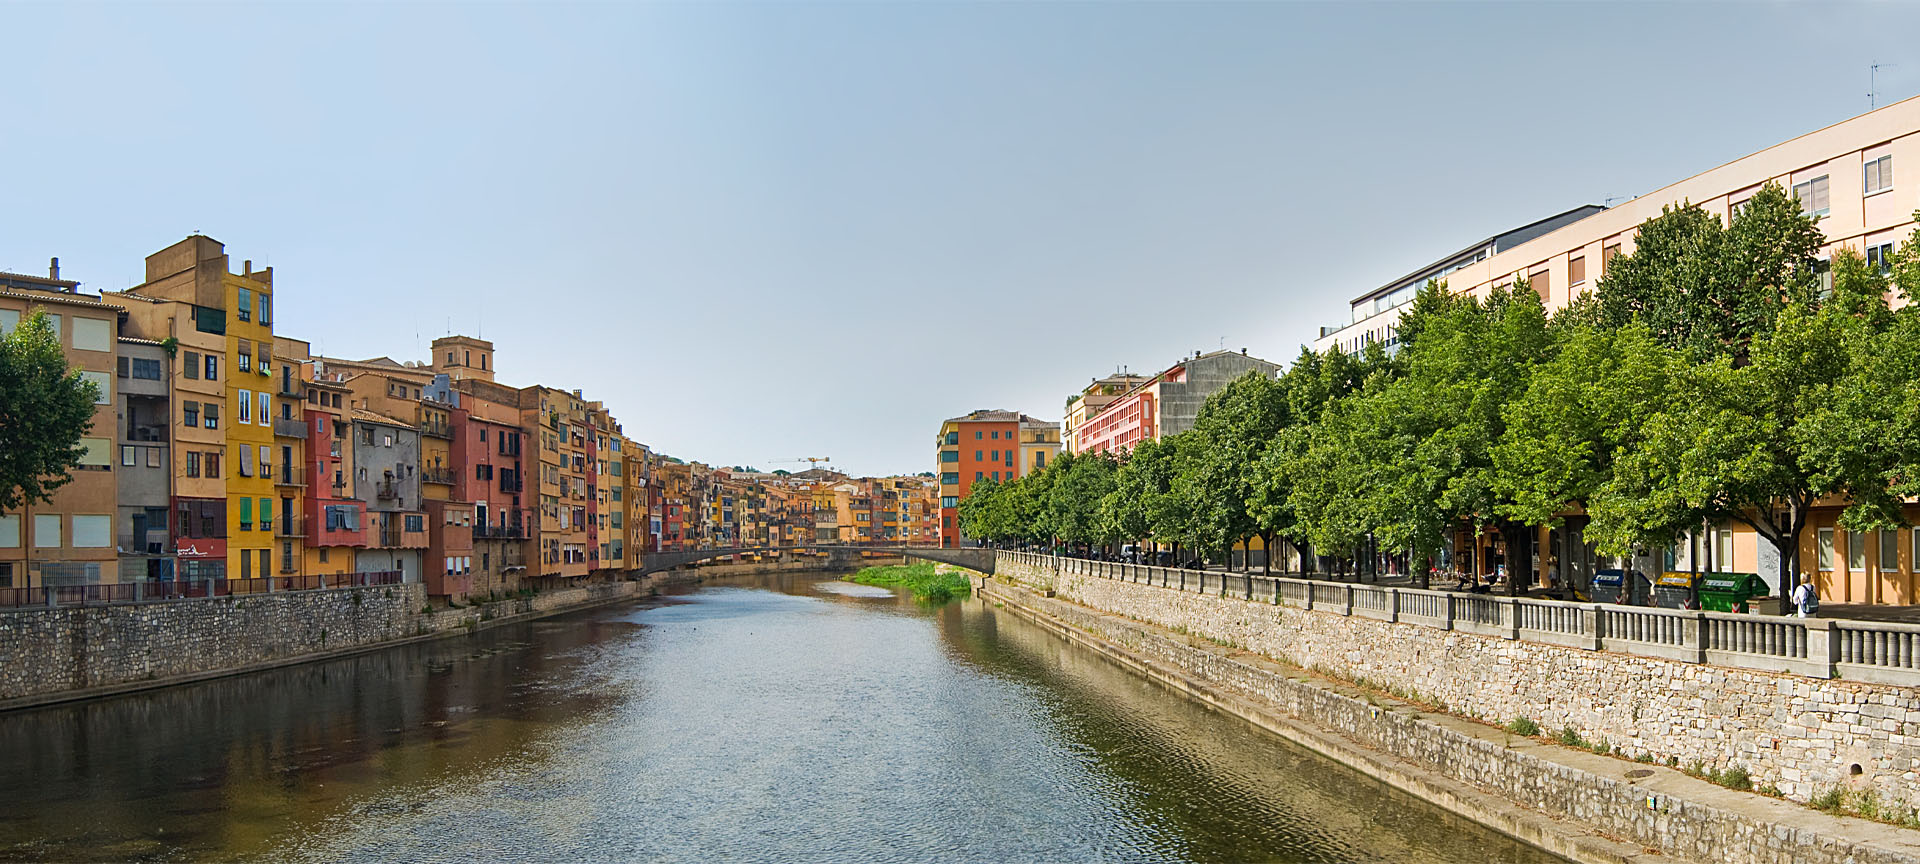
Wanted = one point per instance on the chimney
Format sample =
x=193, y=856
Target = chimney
x=246, y=267
x=53, y=269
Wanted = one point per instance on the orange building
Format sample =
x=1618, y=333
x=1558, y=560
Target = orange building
x=983, y=445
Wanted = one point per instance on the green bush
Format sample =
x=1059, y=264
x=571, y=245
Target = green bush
x=927, y=581
x=1523, y=726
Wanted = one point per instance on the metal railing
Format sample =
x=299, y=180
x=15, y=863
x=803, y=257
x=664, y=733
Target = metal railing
x=1872, y=651
x=436, y=430
x=440, y=475
x=290, y=475
x=157, y=591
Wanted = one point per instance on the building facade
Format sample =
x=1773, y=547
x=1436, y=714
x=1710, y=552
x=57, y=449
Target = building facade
x=1167, y=403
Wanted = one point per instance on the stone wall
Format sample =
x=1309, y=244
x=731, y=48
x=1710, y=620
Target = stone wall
x=1801, y=735
x=51, y=654
x=1584, y=807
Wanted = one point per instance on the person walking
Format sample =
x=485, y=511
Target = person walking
x=1806, y=600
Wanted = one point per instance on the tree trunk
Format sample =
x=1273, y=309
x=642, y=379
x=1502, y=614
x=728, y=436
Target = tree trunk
x=1266, y=561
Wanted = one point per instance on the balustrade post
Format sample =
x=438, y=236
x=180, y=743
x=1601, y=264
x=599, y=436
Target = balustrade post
x=1446, y=609
x=139, y=590
x=1310, y=595
x=51, y=600
x=1823, y=648
x=1393, y=604
x=1346, y=608
x=1511, y=630
x=1591, y=621
x=1693, y=637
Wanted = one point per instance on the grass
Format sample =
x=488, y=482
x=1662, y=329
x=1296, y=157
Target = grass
x=925, y=579
x=1523, y=727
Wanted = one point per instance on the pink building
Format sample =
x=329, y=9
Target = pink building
x=1165, y=404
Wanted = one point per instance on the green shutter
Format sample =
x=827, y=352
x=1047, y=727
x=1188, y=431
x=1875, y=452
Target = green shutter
x=266, y=509
x=246, y=510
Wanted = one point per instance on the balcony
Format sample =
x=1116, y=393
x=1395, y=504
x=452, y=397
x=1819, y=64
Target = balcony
x=291, y=529
x=386, y=490
x=442, y=476
x=155, y=543
x=289, y=475
x=146, y=432
x=499, y=532
x=287, y=427
x=436, y=429
x=389, y=536
x=511, y=484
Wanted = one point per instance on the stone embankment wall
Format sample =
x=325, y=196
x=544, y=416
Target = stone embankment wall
x=1582, y=806
x=1802, y=735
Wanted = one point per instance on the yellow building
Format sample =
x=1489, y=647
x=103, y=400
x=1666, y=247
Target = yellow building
x=221, y=325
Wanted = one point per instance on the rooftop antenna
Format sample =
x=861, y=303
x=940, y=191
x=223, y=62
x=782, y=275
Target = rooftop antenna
x=1613, y=198
x=1873, y=84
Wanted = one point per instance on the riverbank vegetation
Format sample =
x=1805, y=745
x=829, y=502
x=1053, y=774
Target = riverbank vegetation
x=927, y=581
x=1717, y=373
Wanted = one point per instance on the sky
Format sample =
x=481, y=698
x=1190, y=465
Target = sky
x=766, y=231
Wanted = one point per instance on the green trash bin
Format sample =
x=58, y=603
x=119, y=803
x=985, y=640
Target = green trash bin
x=1730, y=592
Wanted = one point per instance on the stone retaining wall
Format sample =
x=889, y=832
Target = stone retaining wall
x=1799, y=734
x=1594, y=808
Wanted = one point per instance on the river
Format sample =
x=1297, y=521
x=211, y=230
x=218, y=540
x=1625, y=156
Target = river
x=774, y=719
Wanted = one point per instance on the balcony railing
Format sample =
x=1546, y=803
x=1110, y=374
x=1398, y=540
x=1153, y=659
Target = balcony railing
x=290, y=475
x=499, y=532
x=436, y=429
x=442, y=476
x=389, y=536
x=386, y=490
x=512, y=484
x=287, y=427
x=292, y=528
x=155, y=543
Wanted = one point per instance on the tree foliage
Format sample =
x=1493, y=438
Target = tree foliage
x=45, y=407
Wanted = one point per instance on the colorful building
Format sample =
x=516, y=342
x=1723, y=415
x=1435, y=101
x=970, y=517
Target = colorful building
x=987, y=444
x=1090, y=401
x=1167, y=403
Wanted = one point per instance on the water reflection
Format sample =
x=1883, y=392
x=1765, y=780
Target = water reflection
x=769, y=720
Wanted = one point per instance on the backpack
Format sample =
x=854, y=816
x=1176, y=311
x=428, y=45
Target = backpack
x=1813, y=600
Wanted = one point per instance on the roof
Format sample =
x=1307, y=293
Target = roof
x=1501, y=241
x=58, y=297
x=47, y=282
x=986, y=415
x=376, y=417
x=130, y=340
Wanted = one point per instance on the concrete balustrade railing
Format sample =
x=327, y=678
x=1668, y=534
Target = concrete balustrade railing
x=1873, y=651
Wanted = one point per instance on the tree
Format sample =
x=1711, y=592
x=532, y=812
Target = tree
x=1232, y=429
x=1711, y=290
x=1135, y=508
x=45, y=406
x=1077, y=493
x=1759, y=442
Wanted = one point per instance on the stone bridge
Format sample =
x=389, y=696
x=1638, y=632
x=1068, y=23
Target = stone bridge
x=973, y=559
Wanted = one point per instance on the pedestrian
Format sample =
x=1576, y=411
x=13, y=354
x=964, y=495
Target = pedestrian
x=1806, y=600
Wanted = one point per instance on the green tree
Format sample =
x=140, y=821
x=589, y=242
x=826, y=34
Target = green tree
x=1232, y=430
x=1139, y=504
x=1711, y=290
x=45, y=406
x=1077, y=494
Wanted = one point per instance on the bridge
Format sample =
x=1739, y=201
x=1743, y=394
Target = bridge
x=973, y=559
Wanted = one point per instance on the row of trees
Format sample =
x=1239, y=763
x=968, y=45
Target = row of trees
x=1719, y=372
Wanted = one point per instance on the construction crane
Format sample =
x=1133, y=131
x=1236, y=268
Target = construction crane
x=813, y=461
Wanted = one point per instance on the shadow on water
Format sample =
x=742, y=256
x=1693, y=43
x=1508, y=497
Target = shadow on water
x=771, y=719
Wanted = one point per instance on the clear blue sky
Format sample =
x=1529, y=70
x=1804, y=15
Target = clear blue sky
x=765, y=231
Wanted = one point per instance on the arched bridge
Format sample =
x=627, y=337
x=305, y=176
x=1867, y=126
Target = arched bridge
x=972, y=559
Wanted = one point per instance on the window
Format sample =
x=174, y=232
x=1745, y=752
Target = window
x=266, y=310
x=246, y=459
x=246, y=510
x=1880, y=258
x=266, y=461
x=53, y=321
x=1826, y=548
x=1889, y=551
x=265, y=366
x=1856, y=551
x=213, y=368
x=979, y=456
x=264, y=409
x=191, y=368
x=190, y=413
x=1607, y=254
x=212, y=463
x=950, y=478
x=994, y=434
x=1576, y=270
x=416, y=524
x=92, y=334
x=246, y=355
x=148, y=370
x=193, y=463
x=9, y=532
x=1812, y=196
x=1040, y=459
x=46, y=531
x=979, y=474
x=246, y=406
x=953, y=438
x=9, y=319
x=1878, y=175
x=266, y=514
x=243, y=311
x=103, y=387
x=994, y=455
x=96, y=452
x=209, y=320
x=153, y=457
x=976, y=434
x=92, y=532
x=127, y=456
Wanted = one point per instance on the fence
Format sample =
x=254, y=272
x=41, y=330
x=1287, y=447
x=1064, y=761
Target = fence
x=156, y=591
x=1873, y=651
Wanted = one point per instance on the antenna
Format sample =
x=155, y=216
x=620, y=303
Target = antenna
x=1873, y=84
x=1612, y=198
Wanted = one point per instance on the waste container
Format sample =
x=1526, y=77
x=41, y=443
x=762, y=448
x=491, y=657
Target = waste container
x=1673, y=591
x=1620, y=586
x=1730, y=592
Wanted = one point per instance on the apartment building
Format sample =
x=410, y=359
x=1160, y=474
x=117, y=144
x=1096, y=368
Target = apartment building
x=386, y=466
x=336, y=526
x=557, y=419
x=70, y=540
x=987, y=444
x=144, y=471
x=490, y=462
x=1167, y=403
x=1091, y=400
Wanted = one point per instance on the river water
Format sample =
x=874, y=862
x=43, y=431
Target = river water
x=774, y=719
